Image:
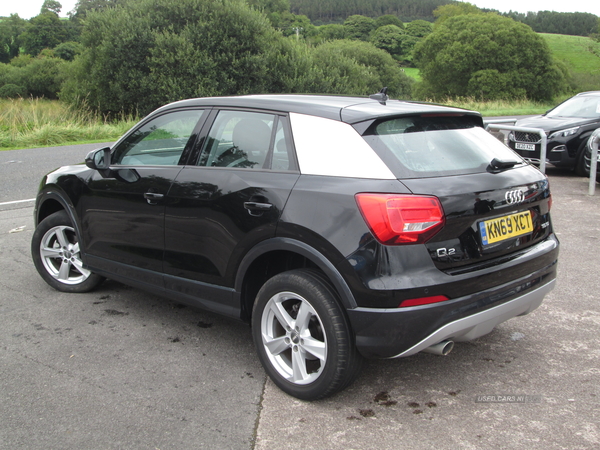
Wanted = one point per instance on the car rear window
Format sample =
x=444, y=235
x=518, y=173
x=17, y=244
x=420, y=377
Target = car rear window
x=431, y=146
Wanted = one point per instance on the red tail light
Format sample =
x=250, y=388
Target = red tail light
x=396, y=219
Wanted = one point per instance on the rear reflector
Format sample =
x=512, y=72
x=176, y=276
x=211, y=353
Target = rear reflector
x=423, y=301
x=396, y=219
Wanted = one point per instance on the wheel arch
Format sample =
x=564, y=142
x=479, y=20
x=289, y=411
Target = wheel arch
x=51, y=202
x=278, y=255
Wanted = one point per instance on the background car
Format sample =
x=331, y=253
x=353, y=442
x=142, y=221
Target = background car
x=568, y=127
x=338, y=227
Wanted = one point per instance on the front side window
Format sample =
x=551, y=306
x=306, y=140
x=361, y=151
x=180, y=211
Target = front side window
x=159, y=142
x=242, y=139
x=421, y=146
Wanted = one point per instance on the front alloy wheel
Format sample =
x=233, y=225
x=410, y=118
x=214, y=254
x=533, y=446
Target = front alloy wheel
x=302, y=335
x=56, y=254
x=60, y=255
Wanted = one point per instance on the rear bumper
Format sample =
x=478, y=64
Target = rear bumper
x=394, y=333
x=484, y=322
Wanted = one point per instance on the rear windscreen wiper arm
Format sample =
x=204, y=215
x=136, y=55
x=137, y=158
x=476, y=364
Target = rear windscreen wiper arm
x=498, y=164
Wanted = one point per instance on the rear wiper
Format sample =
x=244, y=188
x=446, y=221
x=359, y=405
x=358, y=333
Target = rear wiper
x=496, y=165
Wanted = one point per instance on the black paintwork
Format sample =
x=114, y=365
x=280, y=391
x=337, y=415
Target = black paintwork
x=210, y=236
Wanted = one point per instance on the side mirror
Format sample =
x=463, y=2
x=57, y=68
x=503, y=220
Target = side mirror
x=98, y=159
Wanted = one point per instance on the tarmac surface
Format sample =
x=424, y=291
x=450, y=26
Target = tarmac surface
x=119, y=368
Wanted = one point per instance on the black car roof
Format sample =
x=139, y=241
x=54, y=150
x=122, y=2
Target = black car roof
x=342, y=108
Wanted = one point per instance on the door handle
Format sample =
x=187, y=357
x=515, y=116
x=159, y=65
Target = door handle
x=257, y=208
x=153, y=197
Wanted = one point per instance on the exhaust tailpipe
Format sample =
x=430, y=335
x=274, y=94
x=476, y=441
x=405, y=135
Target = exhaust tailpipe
x=441, y=348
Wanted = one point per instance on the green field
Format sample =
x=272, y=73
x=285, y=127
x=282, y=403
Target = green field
x=580, y=54
x=413, y=73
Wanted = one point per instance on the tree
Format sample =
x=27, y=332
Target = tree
x=270, y=6
x=84, y=6
x=359, y=27
x=144, y=53
x=9, y=76
x=51, y=6
x=11, y=29
x=575, y=24
x=67, y=50
x=27, y=76
x=388, y=38
x=332, y=32
x=418, y=28
x=372, y=68
x=467, y=55
x=12, y=91
x=41, y=77
x=294, y=25
x=444, y=12
x=596, y=36
x=407, y=45
x=327, y=11
x=45, y=30
x=278, y=11
x=388, y=19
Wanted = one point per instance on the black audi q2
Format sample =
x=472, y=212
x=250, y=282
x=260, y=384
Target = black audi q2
x=338, y=227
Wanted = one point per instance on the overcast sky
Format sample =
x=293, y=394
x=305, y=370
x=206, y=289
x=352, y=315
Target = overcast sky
x=29, y=8
x=26, y=9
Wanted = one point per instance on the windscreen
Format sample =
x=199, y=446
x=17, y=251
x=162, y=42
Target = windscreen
x=431, y=146
x=585, y=107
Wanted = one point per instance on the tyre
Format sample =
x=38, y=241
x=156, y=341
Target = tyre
x=302, y=335
x=587, y=159
x=56, y=255
x=580, y=163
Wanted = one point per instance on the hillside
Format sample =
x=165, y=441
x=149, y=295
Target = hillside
x=581, y=54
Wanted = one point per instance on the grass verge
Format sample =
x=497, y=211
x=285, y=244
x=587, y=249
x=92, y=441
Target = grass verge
x=29, y=123
x=503, y=107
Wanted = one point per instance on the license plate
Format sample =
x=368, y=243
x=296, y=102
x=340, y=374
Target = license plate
x=528, y=147
x=501, y=228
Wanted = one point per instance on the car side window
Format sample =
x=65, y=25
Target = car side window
x=240, y=139
x=281, y=159
x=159, y=142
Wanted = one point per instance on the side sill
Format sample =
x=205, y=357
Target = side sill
x=196, y=294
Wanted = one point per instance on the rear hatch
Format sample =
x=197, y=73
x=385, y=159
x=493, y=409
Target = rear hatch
x=495, y=204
